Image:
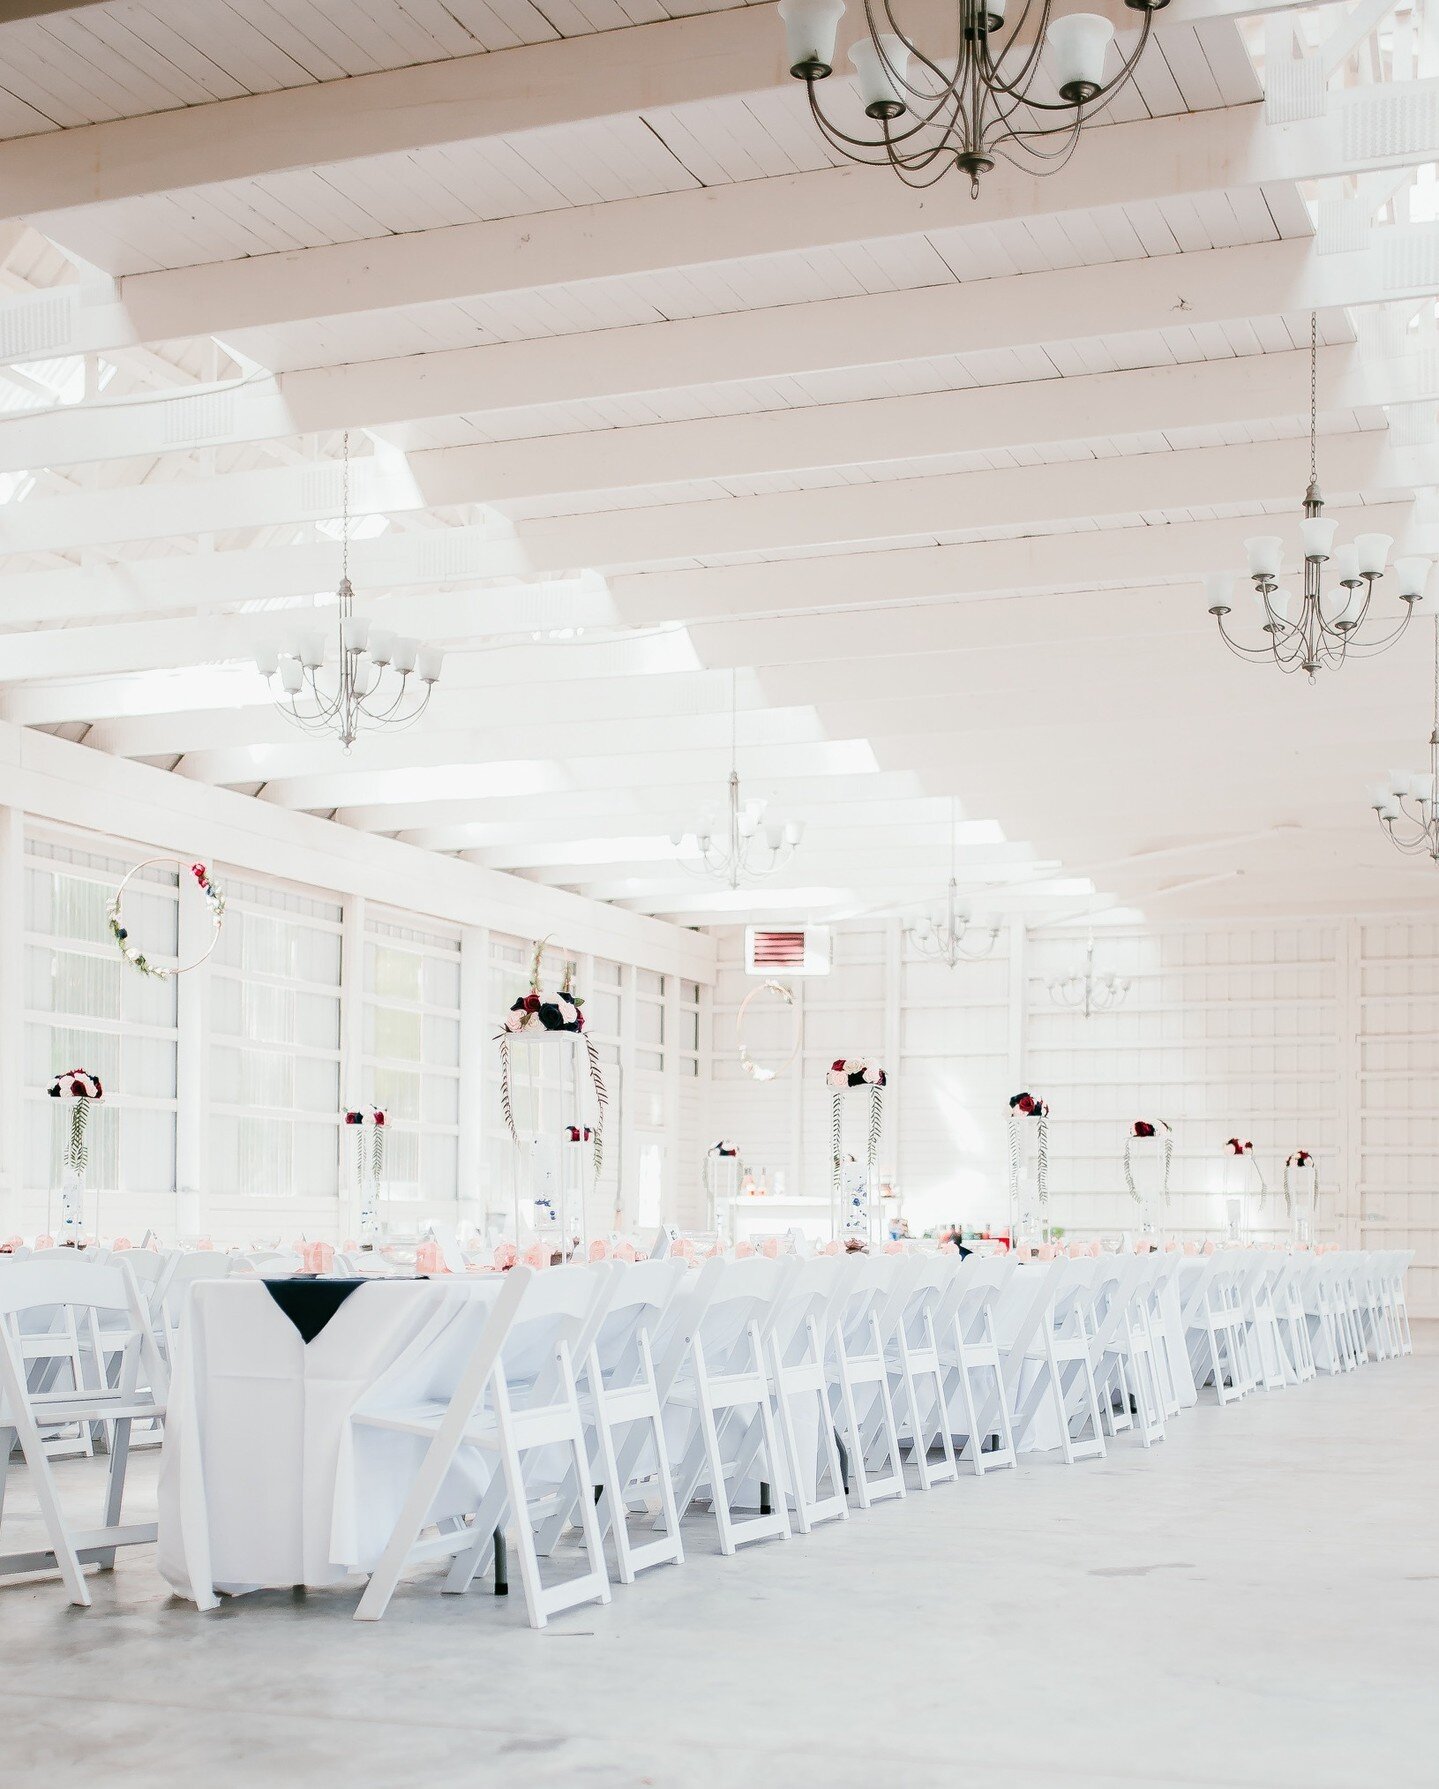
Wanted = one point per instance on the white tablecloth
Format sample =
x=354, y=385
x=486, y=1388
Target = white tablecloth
x=264, y=1481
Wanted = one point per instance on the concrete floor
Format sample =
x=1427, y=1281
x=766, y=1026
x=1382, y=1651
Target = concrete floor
x=1253, y=1603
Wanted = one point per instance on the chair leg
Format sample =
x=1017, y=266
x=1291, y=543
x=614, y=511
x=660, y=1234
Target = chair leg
x=12, y=1392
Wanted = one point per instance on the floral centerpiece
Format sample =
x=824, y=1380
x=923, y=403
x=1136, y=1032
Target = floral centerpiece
x=536, y=1011
x=81, y=1090
x=115, y=915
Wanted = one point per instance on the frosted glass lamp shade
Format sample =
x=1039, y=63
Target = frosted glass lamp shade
x=1266, y=555
x=774, y=835
x=1424, y=788
x=1373, y=553
x=1399, y=781
x=1219, y=591
x=1412, y=573
x=292, y=677
x=1077, y=45
x=793, y=831
x=312, y=651
x=402, y=654
x=1317, y=536
x=355, y=632
x=1346, y=563
x=428, y=661
x=810, y=28
x=267, y=660
x=880, y=65
x=382, y=643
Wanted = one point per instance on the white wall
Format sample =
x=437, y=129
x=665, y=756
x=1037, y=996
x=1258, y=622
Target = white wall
x=1321, y=1035
x=259, y=1050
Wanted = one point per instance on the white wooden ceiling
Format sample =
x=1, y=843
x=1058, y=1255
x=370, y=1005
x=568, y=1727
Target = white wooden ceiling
x=651, y=401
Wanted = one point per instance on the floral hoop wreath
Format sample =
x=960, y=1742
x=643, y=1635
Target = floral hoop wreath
x=115, y=913
x=746, y=1061
x=1142, y=1129
x=1021, y=1106
x=841, y=1076
x=83, y=1090
x=561, y=1012
x=1245, y=1151
x=373, y=1117
x=1301, y=1158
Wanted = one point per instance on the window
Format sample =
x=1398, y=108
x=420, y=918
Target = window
x=275, y=1045
x=86, y=1008
x=412, y=1055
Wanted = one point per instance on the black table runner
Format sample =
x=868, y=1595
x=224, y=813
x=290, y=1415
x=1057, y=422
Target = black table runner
x=309, y=1302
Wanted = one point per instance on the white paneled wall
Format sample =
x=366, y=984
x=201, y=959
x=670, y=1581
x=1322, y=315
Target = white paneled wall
x=1321, y=1035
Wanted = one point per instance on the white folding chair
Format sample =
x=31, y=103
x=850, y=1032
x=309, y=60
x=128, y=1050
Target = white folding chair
x=859, y=1379
x=619, y=1390
x=516, y=1397
x=88, y=1292
x=908, y=1326
x=1288, y=1300
x=721, y=1375
x=1213, y=1326
x=1058, y=1346
x=1122, y=1350
x=1396, y=1266
x=799, y=1389
x=969, y=1356
x=1253, y=1279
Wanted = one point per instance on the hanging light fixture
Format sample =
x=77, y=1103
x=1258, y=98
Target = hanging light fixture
x=949, y=938
x=1408, y=805
x=1090, y=992
x=1023, y=94
x=378, y=678
x=1323, y=631
x=748, y=844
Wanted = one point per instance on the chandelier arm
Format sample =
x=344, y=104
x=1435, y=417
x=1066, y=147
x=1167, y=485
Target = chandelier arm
x=947, y=83
x=1372, y=648
x=838, y=138
x=1097, y=101
x=990, y=64
x=1411, y=847
x=381, y=716
x=1024, y=150
x=1255, y=654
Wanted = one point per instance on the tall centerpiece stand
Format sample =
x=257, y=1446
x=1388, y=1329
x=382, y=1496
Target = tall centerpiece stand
x=1245, y=1191
x=545, y=1061
x=1148, y=1157
x=368, y=1129
x=78, y=1090
x=856, y=1214
x=1028, y=1169
x=1301, y=1197
x=722, y=1187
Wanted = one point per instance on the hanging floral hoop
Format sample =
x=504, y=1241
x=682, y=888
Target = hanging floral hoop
x=746, y=1060
x=115, y=913
x=842, y=1075
x=1301, y=1158
x=1141, y=1131
x=1022, y=1106
x=83, y=1090
x=560, y=1012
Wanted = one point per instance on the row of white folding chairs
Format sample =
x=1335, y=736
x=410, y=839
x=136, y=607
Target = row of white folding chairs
x=794, y=1375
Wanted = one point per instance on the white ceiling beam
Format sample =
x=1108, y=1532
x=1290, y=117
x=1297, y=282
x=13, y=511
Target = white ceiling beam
x=1071, y=493
x=985, y=419
x=1020, y=310
x=666, y=63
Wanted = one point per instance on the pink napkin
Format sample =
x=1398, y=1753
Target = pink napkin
x=770, y=1248
x=625, y=1251
x=536, y=1255
x=428, y=1258
x=44, y=1242
x=1171, y=1246
x=894, y=1248
x=121, y=1242
x=10, y=1244
x=1208, y=1248
x=153, y=1245
x=831, y=1248
x=204, y=1243
x=949, y=1248
x=743, y=1251
x=506, y=1255
x=1077, y=1249
x=684, y=1248
x=1191, y=1248
x=350, y=1246
x=599, y=1250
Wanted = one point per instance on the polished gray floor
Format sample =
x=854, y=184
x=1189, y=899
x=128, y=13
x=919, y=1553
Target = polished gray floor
x=1254, y=1603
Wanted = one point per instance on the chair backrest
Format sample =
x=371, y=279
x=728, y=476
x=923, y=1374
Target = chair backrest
x=44, y=1281
x=809, y=1293
x=743, y=1292
x=561, y=1305
x=640, y=1295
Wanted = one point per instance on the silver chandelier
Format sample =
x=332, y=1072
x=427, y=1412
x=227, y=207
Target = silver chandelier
x=746, y=844
x=949, y=938
x=1408, y=805
x=959, y=104
x=377, y=678
x=1089, y=992
x=1324, y=629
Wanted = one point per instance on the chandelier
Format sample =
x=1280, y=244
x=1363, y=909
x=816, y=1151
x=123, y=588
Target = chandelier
x=1093, y=993
x=377, y=679
x=747, y=844
x=946, y=938
x=1408, y=805
x=961, y=104
x=1323, y=630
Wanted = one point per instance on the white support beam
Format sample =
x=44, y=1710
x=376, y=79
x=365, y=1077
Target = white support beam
x=669, y=62
x=986, y=419
x=1071, y=494
x=1212, y=286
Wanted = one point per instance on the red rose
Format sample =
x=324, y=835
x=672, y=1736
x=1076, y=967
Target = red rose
x=379, y=1118
x=532, y=1003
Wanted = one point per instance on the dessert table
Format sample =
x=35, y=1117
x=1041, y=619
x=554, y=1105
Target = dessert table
x=264, y=1482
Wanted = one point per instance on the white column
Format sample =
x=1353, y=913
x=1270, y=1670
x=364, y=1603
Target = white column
x=352, y=1054
x=889, y=1061
x=797, y=1090
x=1348, y=1215
x=478, y=1018
x=192, y=1070
x=670, y=1204
x=623, y=1097
x=12, y=1020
